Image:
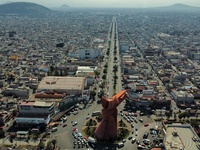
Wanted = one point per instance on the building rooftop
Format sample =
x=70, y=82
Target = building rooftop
x=180, y=136
x=36, y=103
x=61, y=83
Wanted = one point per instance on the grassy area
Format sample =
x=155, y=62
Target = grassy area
x=91, y=125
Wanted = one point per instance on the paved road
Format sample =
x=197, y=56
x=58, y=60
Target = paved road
x=64, y=134
x=111, y=60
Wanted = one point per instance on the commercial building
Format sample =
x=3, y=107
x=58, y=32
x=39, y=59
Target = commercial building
x=68, y=85
x=88, y=53
x=34, y=113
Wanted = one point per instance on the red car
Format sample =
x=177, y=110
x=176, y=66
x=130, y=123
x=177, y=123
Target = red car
x=146, y=124
x=85, y=137
x=64, y=125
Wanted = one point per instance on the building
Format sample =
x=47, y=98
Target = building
x=5, y=116
x=88, y=53
x=182, y=97
x=17, y=91
x=67, y=102
x=178, y=136
x=68, y=85
x=34, y=113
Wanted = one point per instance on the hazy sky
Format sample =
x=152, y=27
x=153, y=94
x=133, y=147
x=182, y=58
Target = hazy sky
x=109, y=3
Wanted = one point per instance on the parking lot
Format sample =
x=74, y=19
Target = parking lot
x=144, y=130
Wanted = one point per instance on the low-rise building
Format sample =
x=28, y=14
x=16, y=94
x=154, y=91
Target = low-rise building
x=182, y=96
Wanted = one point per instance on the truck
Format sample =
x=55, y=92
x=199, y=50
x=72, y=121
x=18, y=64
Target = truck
x=91, y=140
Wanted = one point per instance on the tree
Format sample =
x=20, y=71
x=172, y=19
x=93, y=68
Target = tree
x=2, y=133
x=93, y=94
x=108, y=53
x=115, y=68
x=52, y=68
x=41, y=145
x=50, y=146
x=106, y=66
x=179, y=116
x=115, y=77
x=105, y=71
x=174, y=115
x=104, y=77
x=97, y=73
x=56, y=72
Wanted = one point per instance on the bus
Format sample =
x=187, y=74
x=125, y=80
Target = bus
x=95, y=113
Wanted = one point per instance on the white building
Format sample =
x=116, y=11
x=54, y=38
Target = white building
x=88, y=53
x=34, y=112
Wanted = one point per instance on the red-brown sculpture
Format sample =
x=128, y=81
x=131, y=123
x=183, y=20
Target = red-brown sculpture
x=107, y=128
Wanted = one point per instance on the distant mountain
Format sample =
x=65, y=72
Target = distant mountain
x=61, y=8
x=180, y=7
x=24, y=8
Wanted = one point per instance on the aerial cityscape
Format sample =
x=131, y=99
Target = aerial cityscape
x=99, y=78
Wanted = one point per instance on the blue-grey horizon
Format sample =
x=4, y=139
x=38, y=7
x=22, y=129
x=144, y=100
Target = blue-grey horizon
x=109, y=3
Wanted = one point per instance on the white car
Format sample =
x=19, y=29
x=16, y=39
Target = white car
x=75, y=123
x=133, y=140
x=141, y=120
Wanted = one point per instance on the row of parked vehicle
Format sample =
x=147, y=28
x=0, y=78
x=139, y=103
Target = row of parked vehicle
x=80, y=141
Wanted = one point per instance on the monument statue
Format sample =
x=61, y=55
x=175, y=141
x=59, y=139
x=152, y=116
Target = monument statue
x=107, y=128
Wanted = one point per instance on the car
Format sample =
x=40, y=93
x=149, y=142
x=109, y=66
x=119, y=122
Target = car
x=133, y=140
x=124, y=140
x=133, y=132
x=120, y=144
x=130, y=137
x=141, y=114
x=75, y=112
x=54, y=129
x=140, y=147
x=151, y=129
x=85, y=137
x=146, y=141
x=138, y=142
x=146, y=124
x=136, y=133
x=75, y=129
x=64, y=125
x=75, y=123
x=141, y=120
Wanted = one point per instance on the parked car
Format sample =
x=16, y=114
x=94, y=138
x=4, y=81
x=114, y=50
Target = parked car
x=133, y=140
x=75, y=123
x=120, y=145
x=130, y=137
x=141, y=120
x=146, y=124
x=64, y=125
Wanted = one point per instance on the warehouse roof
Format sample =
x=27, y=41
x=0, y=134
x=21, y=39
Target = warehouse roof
x=62, y=83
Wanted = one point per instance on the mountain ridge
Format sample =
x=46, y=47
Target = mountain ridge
x=24, y=8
